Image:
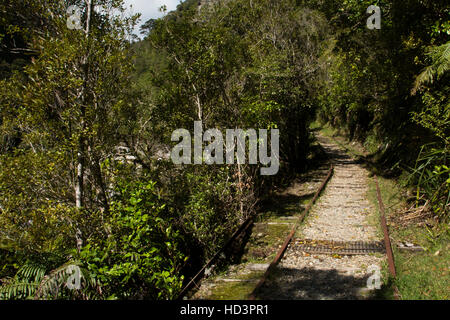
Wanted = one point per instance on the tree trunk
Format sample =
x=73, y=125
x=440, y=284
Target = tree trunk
x=81, y=142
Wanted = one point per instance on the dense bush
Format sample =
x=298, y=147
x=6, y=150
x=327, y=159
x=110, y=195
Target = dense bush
x=139, y=258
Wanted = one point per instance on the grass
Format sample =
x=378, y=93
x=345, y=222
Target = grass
x=420, y=275
x=262, y=249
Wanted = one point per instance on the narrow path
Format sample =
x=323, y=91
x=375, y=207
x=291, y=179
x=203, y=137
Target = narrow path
x=341, y=214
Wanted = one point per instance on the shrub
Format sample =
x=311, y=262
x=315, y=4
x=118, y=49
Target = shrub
x=140, y=257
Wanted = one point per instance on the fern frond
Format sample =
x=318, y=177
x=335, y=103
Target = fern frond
x=25, y=282
x=31, y=282
x=34, y=271
x=17, y=290
x=440, y=56
x=50, y=284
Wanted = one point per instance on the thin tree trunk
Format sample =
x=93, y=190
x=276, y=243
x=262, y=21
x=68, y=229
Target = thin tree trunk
x=81, y=143
x=241, y=202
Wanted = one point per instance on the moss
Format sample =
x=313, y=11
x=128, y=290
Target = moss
x=264, y=247
x=231, y=291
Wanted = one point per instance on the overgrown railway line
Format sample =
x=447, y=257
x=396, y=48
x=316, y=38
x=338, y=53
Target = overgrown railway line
x=332, y=255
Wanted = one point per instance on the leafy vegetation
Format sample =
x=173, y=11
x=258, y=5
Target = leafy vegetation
x=86, y=118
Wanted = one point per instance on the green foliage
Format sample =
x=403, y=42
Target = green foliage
x=432, y=179
x=24, y=284
x=140, y=257
x=435, y=115
x=367, y=91
x=69, y=100
x=440, y=56
x=211, y=212
x=32, y=282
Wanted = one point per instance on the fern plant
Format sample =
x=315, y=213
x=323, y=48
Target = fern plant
x=32, y=282
x=440, y=57
x=24, y=284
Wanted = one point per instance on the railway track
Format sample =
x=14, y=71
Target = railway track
x=332, y=254
x=286, y=243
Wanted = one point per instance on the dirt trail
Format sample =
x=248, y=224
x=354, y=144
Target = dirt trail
x=341, y=214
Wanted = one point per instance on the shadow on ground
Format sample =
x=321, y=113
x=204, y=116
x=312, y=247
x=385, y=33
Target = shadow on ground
x=313, y=284
x=284, y=204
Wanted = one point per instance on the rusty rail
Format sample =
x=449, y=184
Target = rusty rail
x=241, y=229
x=387, y=240
x=283, y=248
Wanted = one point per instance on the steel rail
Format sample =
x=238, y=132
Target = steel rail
x=283, y=248
x=241, y=229
x=387, y=240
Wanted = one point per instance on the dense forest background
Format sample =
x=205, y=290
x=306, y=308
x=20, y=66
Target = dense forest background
x=86, y=118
